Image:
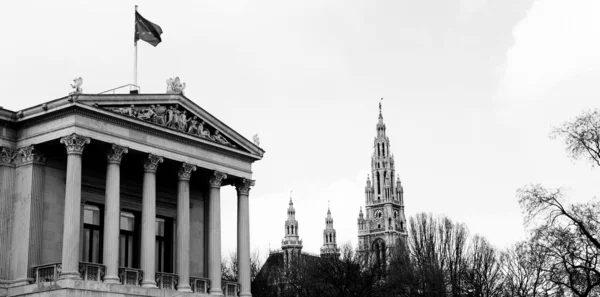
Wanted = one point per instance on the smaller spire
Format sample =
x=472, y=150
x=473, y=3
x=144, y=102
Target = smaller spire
x=380, y=116
x=328, y=207
x=291, y=203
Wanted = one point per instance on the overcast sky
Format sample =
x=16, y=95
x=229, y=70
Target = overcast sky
x=472, y=89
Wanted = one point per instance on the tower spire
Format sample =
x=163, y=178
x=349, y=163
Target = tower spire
x=329, y=247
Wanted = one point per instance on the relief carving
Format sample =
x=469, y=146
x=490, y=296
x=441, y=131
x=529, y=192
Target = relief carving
x=7, y=156
x=173, y=118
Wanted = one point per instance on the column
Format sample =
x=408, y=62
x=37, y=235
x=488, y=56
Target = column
x=149, y=220
x=7, y=192
x=214, y=233
x=112, y=213
x=72, y=219
x=243, y=236
x=183, y=227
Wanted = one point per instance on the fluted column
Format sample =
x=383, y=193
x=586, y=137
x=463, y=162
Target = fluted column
x=149, y=220
x=112, y=213
x=72, y=219
x=7, y=190
x=183, y=227
x=243, y=236
x=214, y=233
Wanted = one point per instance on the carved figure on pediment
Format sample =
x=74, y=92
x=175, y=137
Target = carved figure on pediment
x=146, y=113
x=204, y=132
x=170, y=113
x=193, y=126
x=182, y=122
x=220, y=138
x=159, y=115
x=125, y=110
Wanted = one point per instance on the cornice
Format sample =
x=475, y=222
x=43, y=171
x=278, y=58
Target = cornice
x=134, y=124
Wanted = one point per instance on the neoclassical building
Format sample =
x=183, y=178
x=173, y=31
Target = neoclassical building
x=119, y=195
x=384, y=222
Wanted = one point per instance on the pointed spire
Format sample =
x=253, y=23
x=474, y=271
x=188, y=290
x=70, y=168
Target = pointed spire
x=380, y=116
x=328, y=208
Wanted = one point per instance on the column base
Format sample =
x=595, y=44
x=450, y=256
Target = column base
x=149, y=284
x=245, y=294
x=112, y=280
x=218, y=292
x=184, y=288
x=70, y=275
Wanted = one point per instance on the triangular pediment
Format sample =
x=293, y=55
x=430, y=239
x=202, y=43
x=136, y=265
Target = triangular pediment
x=176, y=113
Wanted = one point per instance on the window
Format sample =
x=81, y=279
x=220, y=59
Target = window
x=127, y=240
x=92, y=234
x=164, y=244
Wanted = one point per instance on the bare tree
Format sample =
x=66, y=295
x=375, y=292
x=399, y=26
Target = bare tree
x=484, y=276
x=582, y=136
x=568, y=235
x=523, y=267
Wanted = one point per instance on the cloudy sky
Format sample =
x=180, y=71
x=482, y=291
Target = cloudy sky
x=471, y=91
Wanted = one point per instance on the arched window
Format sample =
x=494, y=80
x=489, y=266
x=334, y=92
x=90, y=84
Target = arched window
x=292, y=229
x=330, y=238
x=401, y=225
x=378, y=150
x=383, y=149
x=288, y=230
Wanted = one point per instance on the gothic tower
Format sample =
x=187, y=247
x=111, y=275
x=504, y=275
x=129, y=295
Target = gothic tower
x=383, y=222
x=329, y=247
x=291, y=245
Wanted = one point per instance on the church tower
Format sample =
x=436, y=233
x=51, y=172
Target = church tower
x=329, y=247
x=291, y=245
x=383, y=222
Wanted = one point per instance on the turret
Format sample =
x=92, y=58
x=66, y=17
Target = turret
x=329, y=247
x=291, y=243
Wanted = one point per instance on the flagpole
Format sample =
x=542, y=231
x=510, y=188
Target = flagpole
x=135, y=59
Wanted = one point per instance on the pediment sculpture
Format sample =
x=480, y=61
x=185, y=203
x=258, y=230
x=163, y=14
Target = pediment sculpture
x=175, y=86
x=173, y=118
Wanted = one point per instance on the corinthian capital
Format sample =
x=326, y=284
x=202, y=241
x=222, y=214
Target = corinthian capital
x=151, y=163
x=243, y=187
x=7, y=156
x=75, y=143
x=31, y=155
x=216, y=180
x=185, y=171
x=115, y=153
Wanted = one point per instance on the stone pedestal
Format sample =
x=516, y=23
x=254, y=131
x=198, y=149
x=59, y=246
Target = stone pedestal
x=243, y=236
x=112, y=214
x=149, y=221
x=214, y=233
x=72, y=219
x=183, y=227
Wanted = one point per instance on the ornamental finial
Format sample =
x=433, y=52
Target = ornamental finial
x=380, y=116
x=175, y=86
x=76, y=85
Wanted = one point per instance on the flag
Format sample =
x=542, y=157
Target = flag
x=146, y=30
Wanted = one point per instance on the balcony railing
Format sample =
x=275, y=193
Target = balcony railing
x=91, y=271
x=130, y=276
x=47, y=273
x=199, y=284
x=166, y=280
x=230, y=289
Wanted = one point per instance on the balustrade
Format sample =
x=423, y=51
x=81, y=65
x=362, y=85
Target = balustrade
x=130, y=276
x=230, y=289
x=91, y=271
x=199, y=284
x=166, y=280
x=47, y=272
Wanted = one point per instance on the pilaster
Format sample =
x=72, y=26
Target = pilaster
x=7, y=192
x=28, y=215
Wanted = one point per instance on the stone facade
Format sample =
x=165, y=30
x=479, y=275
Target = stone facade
x=119, y=195
x=384, y=223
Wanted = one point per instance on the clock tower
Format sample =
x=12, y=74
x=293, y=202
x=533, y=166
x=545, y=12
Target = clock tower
x=383, y=221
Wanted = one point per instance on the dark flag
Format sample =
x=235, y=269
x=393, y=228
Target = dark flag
x=146, y=30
